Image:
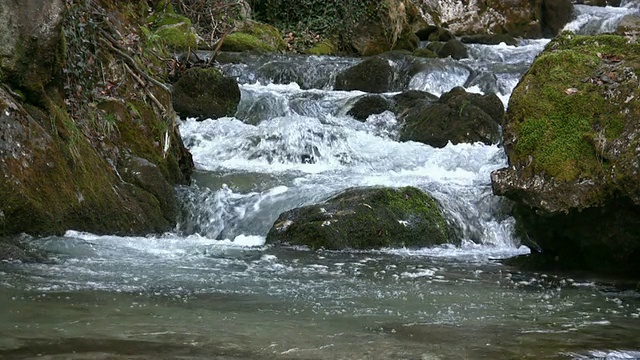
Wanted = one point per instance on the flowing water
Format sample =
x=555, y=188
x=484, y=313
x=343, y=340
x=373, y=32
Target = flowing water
x=213, y=289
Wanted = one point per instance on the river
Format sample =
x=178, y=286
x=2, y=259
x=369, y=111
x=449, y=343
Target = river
x=212, y=289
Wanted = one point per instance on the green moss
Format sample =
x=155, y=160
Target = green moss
x=322, y=48
x=558, y=110
x=425, y=53
x=245, y=42
x=177, y=36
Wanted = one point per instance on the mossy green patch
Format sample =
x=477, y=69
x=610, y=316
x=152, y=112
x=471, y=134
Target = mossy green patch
x=566, y=101
x=322, y=48
x=245, y=42
x=177, y=36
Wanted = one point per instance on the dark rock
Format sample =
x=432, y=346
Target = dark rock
x=205, y=93
x=458, y=116
x=571, y=135
x=435, y=46
x=374, y=75
x=554, y=15
x=454, y=48
x=407, y=100
x=16, y=249
x=407, y=41
x=369, y=105
x=489, y=39
x=424, y=53
x=423, y=34
x=442, y=35
x=148, y=177
x=629, y=25
x=367, y=218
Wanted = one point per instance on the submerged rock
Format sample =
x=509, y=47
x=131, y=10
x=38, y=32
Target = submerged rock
x=457, y=117
x=205, y=93
x=374, y=75
x=454, y=48
x=366, y=218
x=16, y=249
x=571, y=134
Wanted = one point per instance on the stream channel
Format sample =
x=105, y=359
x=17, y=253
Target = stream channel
x=212, y=289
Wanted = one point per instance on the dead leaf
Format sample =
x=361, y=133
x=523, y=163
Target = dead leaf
x=571, y=91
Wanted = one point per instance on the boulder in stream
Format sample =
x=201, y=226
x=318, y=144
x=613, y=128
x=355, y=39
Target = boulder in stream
x=205, y=93
x=457, y=117
x=366, y=218
x=571, y=134
x=254, y=36
x=374, y=75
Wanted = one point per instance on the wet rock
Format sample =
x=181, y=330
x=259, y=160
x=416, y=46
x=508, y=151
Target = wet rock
x=454, y=48
x=408, y=41
x=374, y=75
x=573, y=155
x=148, y=177
x=369, y=105
x=424, y=53
x=366, y=218
x=17, y=249
x=457, y=117
x=205, y=93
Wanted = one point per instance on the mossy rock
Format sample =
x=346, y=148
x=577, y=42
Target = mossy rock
x=457, y=117
x=368, y=218
x=322, y=48
x=254, y=36
x=369, y=105
x=204, y=93
x=374, y=75
x=408, y=41
x=425, y=53
x=571, y=134
x=177, y=36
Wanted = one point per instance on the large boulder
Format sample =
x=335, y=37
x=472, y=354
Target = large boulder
x=369, y=105
x=519, y=18
x=204, y=93
x=30, y=30
x=571, y=134
x=457, y=117
x=367, y=218
x=374, y=75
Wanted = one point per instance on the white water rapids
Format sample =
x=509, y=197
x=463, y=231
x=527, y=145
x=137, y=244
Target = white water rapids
x=212, y=289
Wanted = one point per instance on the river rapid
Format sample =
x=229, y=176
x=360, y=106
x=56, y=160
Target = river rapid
x=212, y=289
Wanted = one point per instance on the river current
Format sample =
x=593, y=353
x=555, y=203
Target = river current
x=212, y=289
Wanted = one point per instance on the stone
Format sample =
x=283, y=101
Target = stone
x=254, y=36
x=573, y=157
x=457, y=117
x=374, y=75
x=204, y=93
x=369, y=105
x=366, y=218
x=454, y=48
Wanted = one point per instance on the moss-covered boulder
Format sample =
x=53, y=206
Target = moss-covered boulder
x=424, y=53
x=367, y=218
x=457, y=117
x=369, y=105
x=254, y=36
x=571, y=134
x=374, y=75
x=204, y=93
